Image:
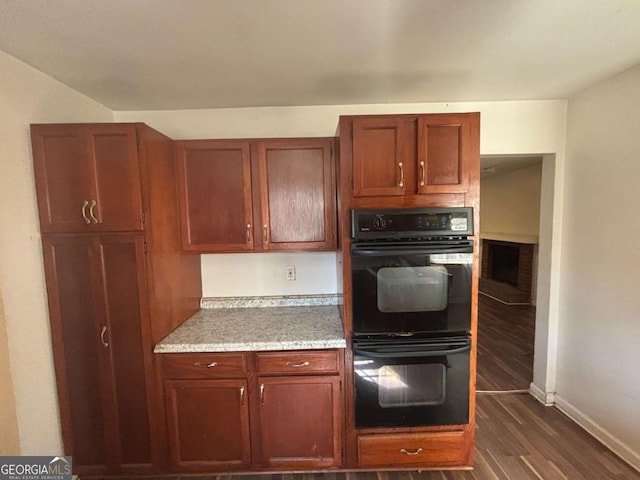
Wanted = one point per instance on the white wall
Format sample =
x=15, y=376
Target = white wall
x=598, y=370
x=250, y=274
x=9, y=440
x=28, y=96
x=510, y=202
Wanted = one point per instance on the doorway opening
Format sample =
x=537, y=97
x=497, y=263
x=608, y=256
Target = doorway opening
x=510, y=217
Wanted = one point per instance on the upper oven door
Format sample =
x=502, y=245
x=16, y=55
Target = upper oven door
x=411, y=289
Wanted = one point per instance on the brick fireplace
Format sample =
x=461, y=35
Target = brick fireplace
x=507, y=271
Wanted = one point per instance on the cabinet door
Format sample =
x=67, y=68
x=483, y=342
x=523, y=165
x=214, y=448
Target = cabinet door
x=62, y=173
x=297, y=194
x=95, y=285
x=78, y=352
x=214, y=181
x=87, y=177
x=121, y=296
x=116, y=200
x=300, y=421
x=445, y=146
x=383, y=156
x=208, y=424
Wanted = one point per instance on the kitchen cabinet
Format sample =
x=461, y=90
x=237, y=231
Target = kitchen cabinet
x=256, y=195
x=383, y=155
x=398, y=155
x=87, y=177
x=214, y=184
x=94, y=286
x=300, y=422
x=117, y=282
x=436, y=449
x=207, y=411
x=257, y=410
x=297, y=193
x=300, y=408
x=208, y=424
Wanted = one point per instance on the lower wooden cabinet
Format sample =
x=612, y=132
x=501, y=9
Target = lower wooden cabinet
x=243, y=411
x=208, y=424
x=406, y=449
x=300, y=421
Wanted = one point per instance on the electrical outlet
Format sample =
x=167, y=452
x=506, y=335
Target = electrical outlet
x=291, y=272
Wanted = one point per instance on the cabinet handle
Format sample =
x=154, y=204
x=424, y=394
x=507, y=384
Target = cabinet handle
x=401, y=166
x=298, y=365
x=248, y=233
x=105, y=344
x=84, y=212
x=242, y=395
x=205, y=365
x=265, y=233
x=93, y=217
x=412, y=454
x=262, y=393
x=422, y=174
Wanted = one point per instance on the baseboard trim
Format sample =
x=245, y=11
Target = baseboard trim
x=546, y=398
x=608, y=440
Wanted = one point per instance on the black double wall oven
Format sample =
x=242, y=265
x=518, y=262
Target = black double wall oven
x=411, y=285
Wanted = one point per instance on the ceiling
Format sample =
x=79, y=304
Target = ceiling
x=170, y=54
x=494, y=165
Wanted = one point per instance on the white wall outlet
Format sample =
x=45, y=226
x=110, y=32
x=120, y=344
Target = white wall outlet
x=291, y=272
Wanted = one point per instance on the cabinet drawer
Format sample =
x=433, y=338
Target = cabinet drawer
x=428, y=449
x=204, y=365
x=298, y=362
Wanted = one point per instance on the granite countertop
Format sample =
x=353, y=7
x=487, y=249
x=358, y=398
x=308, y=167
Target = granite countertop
x=227, y=325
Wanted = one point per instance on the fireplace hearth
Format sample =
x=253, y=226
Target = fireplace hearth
x=507, y=271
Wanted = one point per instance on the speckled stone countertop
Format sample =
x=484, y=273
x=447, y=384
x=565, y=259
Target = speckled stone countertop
x=250, y=328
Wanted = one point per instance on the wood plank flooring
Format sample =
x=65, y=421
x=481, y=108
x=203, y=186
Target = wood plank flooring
x=505, y=345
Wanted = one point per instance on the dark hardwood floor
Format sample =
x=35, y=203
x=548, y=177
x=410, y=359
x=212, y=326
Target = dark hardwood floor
x=505, y=345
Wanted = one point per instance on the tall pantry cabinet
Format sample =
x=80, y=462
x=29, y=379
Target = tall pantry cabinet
x=117, y=282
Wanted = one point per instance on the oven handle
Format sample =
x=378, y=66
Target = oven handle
x=409, y=250
x=400, y=354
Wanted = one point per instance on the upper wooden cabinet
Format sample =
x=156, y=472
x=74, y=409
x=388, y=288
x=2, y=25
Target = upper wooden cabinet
x=256, y=195
x=397, y=155
x=383, y=156
x=214, y=184
x=297, y=194
x=87, y=177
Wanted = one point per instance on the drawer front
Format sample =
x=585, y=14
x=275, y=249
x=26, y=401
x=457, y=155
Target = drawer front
x=293, y=362
x=204, y=365
x=426, y=449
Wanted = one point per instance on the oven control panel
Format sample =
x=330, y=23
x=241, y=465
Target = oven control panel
x=411, y=223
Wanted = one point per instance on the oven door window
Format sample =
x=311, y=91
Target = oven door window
x=413, y=289
x=411, y=385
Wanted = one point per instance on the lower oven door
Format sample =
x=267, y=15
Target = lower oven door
x=411, y=383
